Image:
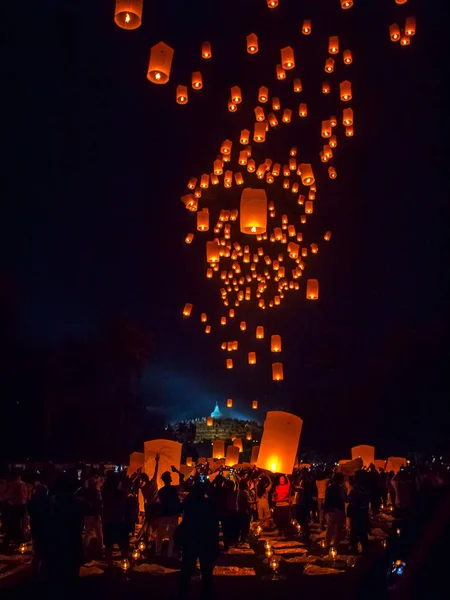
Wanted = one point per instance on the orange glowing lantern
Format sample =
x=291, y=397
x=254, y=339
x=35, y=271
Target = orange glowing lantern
x=203, y=220
x=326, y=129
x=229, y=403
x=218, y=449
x=209, y=421
x=327, y=236
x=238, y=178
x=405, y=40
x=410, y=26
x=203, y=317
x=187, y=310
x=229, y=363
x=226, y=147
x=188, y=239
x=248, y=436
x=243, y=326
x=204, y=181
x=128, y=13
x=244, y=138
x=347, y=117
x=197, y=80
x=332, y=173
x=252, y=358
x=307, y=174
x=312, y=289
x=394, y=32
x=325, y=87
x=303, y=110
x=160, y=63
x=329, y=65
x=306, y=27
x=332, y=141
x=206, y=50
x=279, y=444
x=275, y=343
x=253, y=211
x=272, y=3
x=345, y=90
x=309, y=207
x=236, y=95
x=273, y=121
x=251, y=166
x=237, y=442
x=287, y=58
x=287, y=114
x=218, y=166
x=401, y=1
x=281, y=73
x=252, y=43
x=333, y=44
x=263, y=94
x=259, y=332
x=349, y=131
x=254, y=404
x=346, y=4
x=277, y=372
x=347, y=57
x=232, y=457
x=232, y=107
x=276, y=103
x=366, y=453
x=259, y=113
x=259, y=132
x=212, y=252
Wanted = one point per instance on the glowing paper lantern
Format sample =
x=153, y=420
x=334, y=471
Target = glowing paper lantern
x=197, y=80
x=232, y=457
x=232, y=107
x=394, y=32
x=307, y=174
x=306, y=27
x=229, y=363
x=303, y=110
x=332, y=173
x=203, y=220
x=325, y=87
x=218, y=449
x=169, y=454
x=253, y=211
x=347, y=116
x=345, y=90
x=259, y=132
x=263, y=94
x=272, y=3
x=276, y=103
x=333, y=44
x=188, y=239
x=395, y=463
x=329, y=65
x=259, y=332
x=252, y=358
x=254, y=404
x=366, y=453
x=279, y=444
x=287, y=114
x=275, y=343
x=312, y=289
x=326, y=129
x=204, y=181
x=252, y=43
x=206, y=50
x=327, y=236
x=277, y=371
x=230, y=403
x=349, y=131
x=187, y=310
x=287, y=58
x=160, y=63
x=236, y=95
x=254, y=456
x=405, y=40
x=259, y=113
x=243, y=326
x=347, y=57
x=209, y=421
x=226, y=147
x=128, y=13
x=212, y=252
x=182, y=94
x=208, y=329
x=203, y=317
x=410, y=26
x=281, y=73
x=345, y=4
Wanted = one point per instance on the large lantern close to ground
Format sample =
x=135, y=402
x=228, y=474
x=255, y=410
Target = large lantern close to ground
x=128, y=13
x=218, y=449
x=254, y=457
x=253, y=211
x=169, y=454
x=279, y=443
x=232, y=457
x=366, y=453
x=161, y=56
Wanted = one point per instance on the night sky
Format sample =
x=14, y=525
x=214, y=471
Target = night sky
x=97, y=158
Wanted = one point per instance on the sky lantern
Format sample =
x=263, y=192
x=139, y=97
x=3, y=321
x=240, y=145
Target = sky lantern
x=236, y=94
x=410, y=26
x=209, y=421
x=309, y=207
x=307, y=174
x=279, y=443
x=160, y=63
x=276, y=103
x=182, y=94
x=197, y=80
x=287, y=114
x=203, y=220
x=226, y=147
x=281, y=73
x=242, y=158
x=263, y=94
x=204, y=181
x=287, y=58
x=259, y=113
x=275, y=343
x=238, y=178
x=187, y=309
x=272, y=3
x=259, y=332
x=366, y=453
x=218, y=166
x=347, y=57
x=329, y=65
x=237, y=442
x=212, y=252
x=190, y=202
x=314, y=248
x=306, y=27
x=253, y=211
x=297, y=85
x=251, y=165
x=332, y=142
x=206, y=50
x=252, y=43
x=232, y=456
x=347, y=116
x=252, y=358
x=259, y=132
x=333, y=44
x=229, y=403
x=346, y=4
x=192, y=183
x=128, y=13
x=405, y=40
x=345, y=90
x=188, y=239
x=394, y=32
x=327, y=236
x=325, y=87
x=332, y=173
x=218, y=449
x=232, y=107
x=349, y=131
x=312, y=289
x=229, y=363
x=244, y=137
x=209, y=273
x=401, y=1
x=277, y=372
x=303, y=110
x=248, y=436
x=273, y=121
x=254, y=404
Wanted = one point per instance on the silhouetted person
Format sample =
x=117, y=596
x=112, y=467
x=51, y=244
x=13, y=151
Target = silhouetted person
x=170, y=509
x=263, y=487
x=90, y=499
x=230, y=522
x=198, y=537
x=335, y=498
x=358, y=511
x=39, y=511
x=244, y=511
x=14, y=510
x=114, y=524
x=149, y=490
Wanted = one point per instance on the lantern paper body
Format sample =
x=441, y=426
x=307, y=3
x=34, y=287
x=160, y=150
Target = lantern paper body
x=252, y=358
x=263, y=94
x=347, y=57
x=394, y=32
x=260, y=332
x=252, y=43
x=232, y=457
x=394, y=463
x=306, y=27
x=277, y=371
x=410, y=26
x=197, y=80
x=187, y=309
x=272, y=3
x=254, y=404
x=206, y=50
x=203, y=220
x=306, y=174
x=275, y=343
x=229, y=403
x=346, y=4
x=128, y=13
x=253, y=211
x=366, y=453
x=287, y=58
x=254, y=457
x=312, y=289
x=229, y=363
x=236, y=95
x=345, y=90
x=238, y=443
x=218, y=449
x=303, y=110
x=161, y=56
x=209, y=421
x=259, y=132
x=279, y=443
x=169, y=454
x=380, y=463
x=333, y=44
x=212, y=252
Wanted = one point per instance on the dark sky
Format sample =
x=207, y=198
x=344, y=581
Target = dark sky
x=97, y=158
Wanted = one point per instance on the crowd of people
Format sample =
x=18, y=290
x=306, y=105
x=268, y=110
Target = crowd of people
x=74, y=519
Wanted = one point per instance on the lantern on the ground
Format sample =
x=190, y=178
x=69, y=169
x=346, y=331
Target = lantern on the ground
x=206, y=50
x=277, y=372
x=259, y=332
x=306, y=27
x=279, y=444
x=252, y=43
x=312, y=289
x=254, y=404
x=128, y=13
x=345, y=90
x=253, y=211
x=333, y=44
x=347, y=57
x=307, y=174
x=187, y=310
x=287, y=58
x=232, y=457
x=160, y=63
x=218, y=449
x=203, y=220
x=252, y=358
